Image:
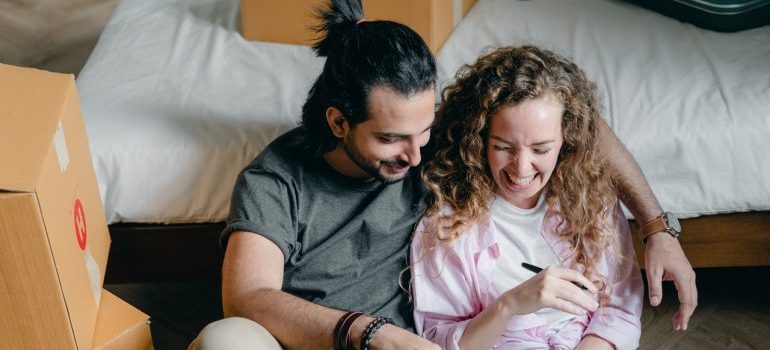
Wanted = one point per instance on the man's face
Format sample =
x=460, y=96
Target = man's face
x=387, y=144
x=523, y=147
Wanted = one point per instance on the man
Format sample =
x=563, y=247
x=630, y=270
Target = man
x=320, y=222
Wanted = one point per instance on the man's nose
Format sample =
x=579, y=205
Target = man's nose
x=412, y=154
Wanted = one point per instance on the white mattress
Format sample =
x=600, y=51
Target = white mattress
x=176, y=102
x=692, y=105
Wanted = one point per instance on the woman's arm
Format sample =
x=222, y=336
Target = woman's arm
x=442, y=288
x=618, y=320
x=592, y=342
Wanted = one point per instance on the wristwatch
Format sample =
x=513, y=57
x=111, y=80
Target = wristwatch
x=664, y=222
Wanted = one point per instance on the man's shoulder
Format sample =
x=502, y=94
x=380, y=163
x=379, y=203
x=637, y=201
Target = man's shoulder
x=284, y=154
x=286, y=143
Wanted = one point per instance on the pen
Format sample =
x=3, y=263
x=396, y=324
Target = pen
x=536, y=269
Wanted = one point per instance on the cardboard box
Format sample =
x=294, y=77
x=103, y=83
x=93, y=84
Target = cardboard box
x=291, y=21
x=121, y=326
x=53, y=234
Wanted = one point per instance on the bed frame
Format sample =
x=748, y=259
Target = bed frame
x=166, y=253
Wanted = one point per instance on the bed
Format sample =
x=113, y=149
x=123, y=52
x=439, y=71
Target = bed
x=176, y=103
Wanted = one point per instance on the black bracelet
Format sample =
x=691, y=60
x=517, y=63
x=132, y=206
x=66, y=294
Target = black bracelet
x=342, y=330
x=336, y=331
x=373, y=327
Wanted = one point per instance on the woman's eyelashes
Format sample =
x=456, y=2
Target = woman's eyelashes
x=503, y=148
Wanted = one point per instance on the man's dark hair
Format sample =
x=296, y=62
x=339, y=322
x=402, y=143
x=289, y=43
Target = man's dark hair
x=360, y=55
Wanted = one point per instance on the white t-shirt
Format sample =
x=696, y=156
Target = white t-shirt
x=518, y=236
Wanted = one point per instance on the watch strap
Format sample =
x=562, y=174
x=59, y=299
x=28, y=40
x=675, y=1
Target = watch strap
x=652, y=227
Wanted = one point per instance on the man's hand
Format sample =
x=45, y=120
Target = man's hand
x=390, y=337
x=665, y=261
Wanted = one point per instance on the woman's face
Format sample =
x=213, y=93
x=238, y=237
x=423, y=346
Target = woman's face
x=523, y=147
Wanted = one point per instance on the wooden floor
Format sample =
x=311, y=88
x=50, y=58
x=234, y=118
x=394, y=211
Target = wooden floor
x=734, y=312
x=178, y=311
x=58, y=35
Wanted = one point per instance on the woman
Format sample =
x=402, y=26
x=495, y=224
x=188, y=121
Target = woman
x=518, y=178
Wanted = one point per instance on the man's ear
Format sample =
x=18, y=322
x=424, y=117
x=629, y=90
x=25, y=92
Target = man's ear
x=337, y=122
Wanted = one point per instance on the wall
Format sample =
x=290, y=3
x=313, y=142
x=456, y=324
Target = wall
x=56, y=35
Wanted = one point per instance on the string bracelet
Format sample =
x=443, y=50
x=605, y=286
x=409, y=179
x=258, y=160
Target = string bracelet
x=371, y=329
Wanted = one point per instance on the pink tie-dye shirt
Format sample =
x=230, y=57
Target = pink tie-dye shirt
x=452, y=284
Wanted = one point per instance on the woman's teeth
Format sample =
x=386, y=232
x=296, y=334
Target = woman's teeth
x=521, y=181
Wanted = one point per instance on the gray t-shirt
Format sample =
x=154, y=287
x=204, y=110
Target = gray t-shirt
x=344, y=241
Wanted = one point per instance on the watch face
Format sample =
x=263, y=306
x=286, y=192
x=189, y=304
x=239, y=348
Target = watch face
x=672, y=222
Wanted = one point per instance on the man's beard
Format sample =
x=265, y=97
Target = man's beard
x=370, y=167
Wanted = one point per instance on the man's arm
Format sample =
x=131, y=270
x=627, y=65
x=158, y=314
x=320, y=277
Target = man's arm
x=664, y=258
x=252, y=275
x=632, y=187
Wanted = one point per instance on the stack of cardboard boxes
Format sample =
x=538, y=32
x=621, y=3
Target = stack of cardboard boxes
x=291, y=21
x=53, y=234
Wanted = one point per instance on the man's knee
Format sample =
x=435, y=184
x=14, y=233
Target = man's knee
x=234, y=333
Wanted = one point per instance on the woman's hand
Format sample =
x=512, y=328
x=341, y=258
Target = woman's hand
x=553, y=287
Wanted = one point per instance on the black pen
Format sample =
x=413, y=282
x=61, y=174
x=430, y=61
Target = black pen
x=536, y=269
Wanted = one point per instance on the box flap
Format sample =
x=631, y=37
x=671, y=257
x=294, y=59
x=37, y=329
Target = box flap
x=31, y=101
x=120, y=324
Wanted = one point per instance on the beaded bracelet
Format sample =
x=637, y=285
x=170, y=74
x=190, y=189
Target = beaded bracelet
x=341, y=335
x=371, y=328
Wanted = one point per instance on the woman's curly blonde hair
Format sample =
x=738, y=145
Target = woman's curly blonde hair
x=580, y=191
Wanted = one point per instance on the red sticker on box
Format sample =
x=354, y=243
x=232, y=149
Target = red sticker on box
x=80, y=224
